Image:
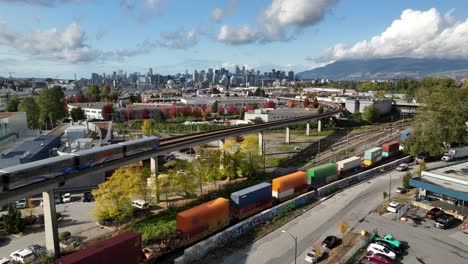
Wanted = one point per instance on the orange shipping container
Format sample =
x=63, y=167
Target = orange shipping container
x=289, y=181
x=202, y=215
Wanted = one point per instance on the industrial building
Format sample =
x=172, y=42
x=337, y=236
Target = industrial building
x=445, y=187
x=268, y=115
x=12, y=123
x=39, y=148
x=358, y=106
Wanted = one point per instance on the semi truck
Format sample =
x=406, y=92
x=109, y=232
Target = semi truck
x=456, y=153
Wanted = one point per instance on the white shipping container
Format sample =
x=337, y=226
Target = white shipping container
x=281, y=195
x=349, y=163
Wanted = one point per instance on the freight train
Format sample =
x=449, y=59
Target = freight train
x=24, y=174
x=201, y=221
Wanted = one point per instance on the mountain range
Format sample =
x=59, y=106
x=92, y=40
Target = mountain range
x=391, y=68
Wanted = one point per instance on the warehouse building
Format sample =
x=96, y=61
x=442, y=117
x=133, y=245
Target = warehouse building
x=445, y=187
x=268, y=115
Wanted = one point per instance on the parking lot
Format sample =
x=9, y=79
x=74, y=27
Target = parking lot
x=77, y=219
x=421, y=241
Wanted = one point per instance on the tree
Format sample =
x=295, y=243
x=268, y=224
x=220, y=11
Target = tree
x=129, y=113
x=146, y=127
x=52, y=104
x=241, y=112
x=259, y=92
x=173, y=112
x=13, y=222
x=371, y=113
x=77, y=114
x=159, y=116
x=385, y=195
x=343, y=227
x=250, y=151
x=145, y=113
x=406, y=179
x=107, y=111
x=315, y=103
x=113, y=96
x=320, y=109
x=12, y=104
x=214, y=107
x=221, y=111
x=232, y=109
x=197, y=112
x=93, y=91
x=105, y=90
x=29, y=106
x=269, y=104
x=422, y=166
x=249, y=108
x=306, y=102
x=186, y=110
x=185, y=183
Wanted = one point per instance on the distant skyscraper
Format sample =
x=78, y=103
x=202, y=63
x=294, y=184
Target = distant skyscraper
x=150, y=72
x=290, y=76
x=195, y=76
x=236, y=70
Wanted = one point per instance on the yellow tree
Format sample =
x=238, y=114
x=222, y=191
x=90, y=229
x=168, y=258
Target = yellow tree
x=343, y=227
x=250, y=151
x=146, y=127
x=422, y=166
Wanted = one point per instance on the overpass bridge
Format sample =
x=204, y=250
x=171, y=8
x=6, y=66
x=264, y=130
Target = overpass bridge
x=166, y=145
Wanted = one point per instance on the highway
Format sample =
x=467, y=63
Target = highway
x=352, y=205
x=166, y=145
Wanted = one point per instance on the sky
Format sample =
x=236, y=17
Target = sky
x=61, y=38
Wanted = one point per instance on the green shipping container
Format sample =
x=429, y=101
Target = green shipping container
x=373, y=154
x=319, y=173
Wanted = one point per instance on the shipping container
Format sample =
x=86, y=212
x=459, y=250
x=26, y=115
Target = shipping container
x=331, y=178
x=246, y=211
x=203, y=219
x=391, y=147
x=123, y=248
x=289, y=181
x=348, y=164
x=373, y=154
x=405, y=134
x=251, y=195
x=368, y=163
x=316, y=175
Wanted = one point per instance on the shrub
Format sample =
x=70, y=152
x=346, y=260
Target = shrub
x=64, y=235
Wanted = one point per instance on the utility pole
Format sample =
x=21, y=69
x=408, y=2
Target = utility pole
x=347, y=142
x=318, y=152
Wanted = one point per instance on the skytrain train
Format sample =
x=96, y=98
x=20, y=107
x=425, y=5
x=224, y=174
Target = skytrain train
x=24, y=174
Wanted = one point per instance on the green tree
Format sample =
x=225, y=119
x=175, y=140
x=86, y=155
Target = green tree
x=184, y=182
x=113, y=96
x=105, y=90
x=12, y=104
x=93, y=91
x=52, y=104
x=77, y=114
x=371, y=113
x=214, y=107
x=320, y=109
x=422, y=166
x=147, y=127
x=32, y=110
x=13, y=222
x=406, y=179
x=241, y=112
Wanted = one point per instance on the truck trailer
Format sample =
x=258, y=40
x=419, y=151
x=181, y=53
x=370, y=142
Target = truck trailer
x=456, y=153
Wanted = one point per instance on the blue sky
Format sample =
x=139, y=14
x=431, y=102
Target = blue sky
x=61, y=37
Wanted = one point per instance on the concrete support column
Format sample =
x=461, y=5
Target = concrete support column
x=319, y=127
x=221, y=143
x=50, y=223
x=154, y=166
x=288, y=136
x=308, y=129
x=260, y=142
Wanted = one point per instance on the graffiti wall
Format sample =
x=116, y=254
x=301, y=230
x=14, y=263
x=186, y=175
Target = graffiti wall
x=201, y=249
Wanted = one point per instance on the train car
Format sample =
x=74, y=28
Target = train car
x=322, y=174
x=348, y=166
x=249, y=201
x=288, y=186
x=140, y=145
x=372, y=156
x=123, y=248
x=390, y=149
x=203, y=220
x=24, y=174
x=92, y=157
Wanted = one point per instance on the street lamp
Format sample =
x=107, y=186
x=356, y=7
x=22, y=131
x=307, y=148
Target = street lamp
x=295, y=244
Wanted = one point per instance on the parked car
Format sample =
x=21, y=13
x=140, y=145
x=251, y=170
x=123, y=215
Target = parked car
x=66, y=198
x=434, y=213
x=402, y=167
x=330, y=242
x=375, y=248
x=390, y=239
x=21, y=204
x=401, y=190
x=311, y=256
x=444, y=221
x=184, y=150
x=87, y=197
x=394, y=207
x=390, y=246
x=140, y=204
x=190, y=151
x=37, y=250
x=378, y=258
x=5, y=261
x=23, y=256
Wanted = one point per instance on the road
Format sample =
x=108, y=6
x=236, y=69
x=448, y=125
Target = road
x=352, y=206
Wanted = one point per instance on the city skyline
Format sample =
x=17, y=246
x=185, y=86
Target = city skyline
x=60, y=38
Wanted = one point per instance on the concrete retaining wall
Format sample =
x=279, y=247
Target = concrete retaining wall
x=366, y=239
x=201, y=249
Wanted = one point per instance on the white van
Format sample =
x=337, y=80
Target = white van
x=23, y=256
x=140, y=204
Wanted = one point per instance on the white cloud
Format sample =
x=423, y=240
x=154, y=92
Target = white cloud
x=179, y=39
x=418, y=34
x=151, y=8
x=218, y=13
x=236, y=36
x=280, y=21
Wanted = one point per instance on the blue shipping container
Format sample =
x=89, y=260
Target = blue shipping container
x=405, y=134
x=253, y=194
